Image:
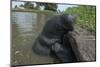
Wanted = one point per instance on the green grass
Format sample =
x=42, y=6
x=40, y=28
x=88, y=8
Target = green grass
x=86, y=16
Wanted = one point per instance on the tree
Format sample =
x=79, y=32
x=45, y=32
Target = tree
x=28, y=5
x=51, y=6
x=21, y=5
x=16, y=6
x=47, y=6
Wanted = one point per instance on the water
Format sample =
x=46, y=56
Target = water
x=26, y=26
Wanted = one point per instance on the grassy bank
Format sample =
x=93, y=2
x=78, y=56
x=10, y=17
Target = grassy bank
x=86, y=16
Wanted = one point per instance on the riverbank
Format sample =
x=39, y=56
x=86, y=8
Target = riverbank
x=33, y=10
x=86, y=44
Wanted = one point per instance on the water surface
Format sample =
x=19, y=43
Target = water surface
x=26, y=26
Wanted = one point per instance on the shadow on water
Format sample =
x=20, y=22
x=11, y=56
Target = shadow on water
x=26, y=26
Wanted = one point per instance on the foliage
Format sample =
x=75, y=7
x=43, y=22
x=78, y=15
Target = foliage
x=48, y=6
x=51, y=6
x=15, y=6
x=86, y=16
x=28, y=5
x=21, y=5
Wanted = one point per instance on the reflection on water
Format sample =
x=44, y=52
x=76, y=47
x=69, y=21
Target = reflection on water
x=25, y=28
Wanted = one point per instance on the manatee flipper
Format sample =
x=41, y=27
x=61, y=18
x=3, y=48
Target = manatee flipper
x=62, y=53
x=40, y=49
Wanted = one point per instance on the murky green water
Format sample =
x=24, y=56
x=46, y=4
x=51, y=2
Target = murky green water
x=26, y=26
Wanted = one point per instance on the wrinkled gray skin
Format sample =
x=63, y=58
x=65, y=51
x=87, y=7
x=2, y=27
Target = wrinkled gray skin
x=50, y=41
x=64, y=51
